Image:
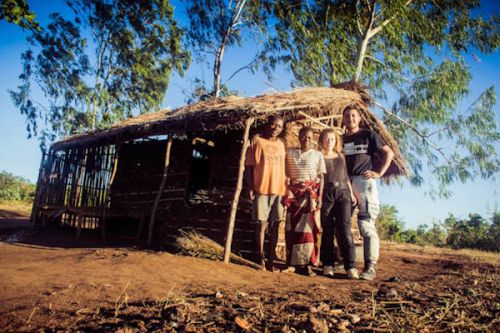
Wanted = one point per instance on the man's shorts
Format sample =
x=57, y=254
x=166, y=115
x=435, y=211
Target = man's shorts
x=267, y=208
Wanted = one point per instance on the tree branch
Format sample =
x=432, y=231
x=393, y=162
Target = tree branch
x=241, y=68
x=416, y=131
x=362, y=45
x=358, y=22
x=377, y=29
x=375, y=59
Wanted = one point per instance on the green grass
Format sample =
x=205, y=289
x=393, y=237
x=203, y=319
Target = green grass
x=476, y=255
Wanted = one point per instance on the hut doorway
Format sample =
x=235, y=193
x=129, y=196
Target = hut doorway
x=200, y=166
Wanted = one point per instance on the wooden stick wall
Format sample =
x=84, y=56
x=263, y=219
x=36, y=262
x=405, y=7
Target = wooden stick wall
x=72, y=179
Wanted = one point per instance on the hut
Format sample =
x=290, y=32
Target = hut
x=162, y=171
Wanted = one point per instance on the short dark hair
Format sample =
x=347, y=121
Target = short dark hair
x=304, y=130
x=350, y=107
x=274, y=117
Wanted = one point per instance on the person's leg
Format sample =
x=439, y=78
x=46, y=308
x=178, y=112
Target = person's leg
x=342, y=213
x=260, y=214
x=367, y=195
x=276, y=217
x=327, y=248
x=261, y=236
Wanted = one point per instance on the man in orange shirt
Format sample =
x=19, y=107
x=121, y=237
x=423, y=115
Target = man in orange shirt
x=265, y=180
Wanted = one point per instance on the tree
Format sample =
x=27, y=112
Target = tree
x=415, y=48
x=389, y=225
x=15, y=188
x=110, y=61
x=435, y=235
x=18, y=12
x=215, y=25
x=473, y=232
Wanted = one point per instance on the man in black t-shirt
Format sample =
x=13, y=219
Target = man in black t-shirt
x=360, y=146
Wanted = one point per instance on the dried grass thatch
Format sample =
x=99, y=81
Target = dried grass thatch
x=192, y=243
x=225, y=114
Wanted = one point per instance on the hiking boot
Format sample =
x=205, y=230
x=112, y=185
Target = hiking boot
x=352, y=274
x=369, y=273
x=328, y=271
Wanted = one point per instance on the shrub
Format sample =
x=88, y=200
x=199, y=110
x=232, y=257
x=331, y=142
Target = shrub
x=15, y=188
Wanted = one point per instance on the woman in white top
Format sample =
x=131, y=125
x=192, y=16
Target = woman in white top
x=305, y=168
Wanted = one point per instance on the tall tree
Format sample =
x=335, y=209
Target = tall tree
x=215, y=25
x=418, y=50
x=112, y=60
x=18, y=12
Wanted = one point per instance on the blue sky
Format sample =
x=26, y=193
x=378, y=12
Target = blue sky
x=21, y=156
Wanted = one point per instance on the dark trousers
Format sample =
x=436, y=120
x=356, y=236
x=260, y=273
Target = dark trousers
x=336, y=214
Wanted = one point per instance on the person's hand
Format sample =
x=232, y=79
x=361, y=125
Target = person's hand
x=370, y=174
x=319, y=204
x=251, y=195
x=354, y=201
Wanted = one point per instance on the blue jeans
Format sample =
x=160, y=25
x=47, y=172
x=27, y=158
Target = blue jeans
x=365, y=191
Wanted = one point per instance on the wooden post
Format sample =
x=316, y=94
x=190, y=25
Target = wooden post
x=39, y=185
x=79, y=224
x=237, y=192
x=160, y=190
x=108, y=194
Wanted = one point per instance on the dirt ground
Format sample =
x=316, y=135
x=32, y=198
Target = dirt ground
x=50, y=281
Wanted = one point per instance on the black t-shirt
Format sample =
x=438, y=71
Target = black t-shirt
x=359, y=149
x=336, y=170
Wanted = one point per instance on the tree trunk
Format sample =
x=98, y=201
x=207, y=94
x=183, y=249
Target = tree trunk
x=236, y=13
x=363, y=44
x=217, y=64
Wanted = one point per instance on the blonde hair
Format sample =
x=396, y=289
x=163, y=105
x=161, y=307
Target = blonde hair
x=338, y=140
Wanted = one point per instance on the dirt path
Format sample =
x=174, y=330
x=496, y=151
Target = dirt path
x=79, y=285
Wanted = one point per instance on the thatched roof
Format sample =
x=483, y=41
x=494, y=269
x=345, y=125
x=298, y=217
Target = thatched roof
x=230, y=113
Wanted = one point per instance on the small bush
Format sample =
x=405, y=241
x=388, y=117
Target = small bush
x=15, y=188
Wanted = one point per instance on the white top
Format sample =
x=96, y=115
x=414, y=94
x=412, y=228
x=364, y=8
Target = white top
x=304, y=166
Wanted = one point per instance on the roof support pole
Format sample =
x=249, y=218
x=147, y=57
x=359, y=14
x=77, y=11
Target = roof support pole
x=160, y=191
x=237, y=192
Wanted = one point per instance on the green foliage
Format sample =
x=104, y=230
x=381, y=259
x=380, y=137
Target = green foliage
x=216, y=25
x=389, y=225
x=18, y=12
x=15, y=188
x=418, y=50
x=200, y=92
x=474, y=232
x=110, y=61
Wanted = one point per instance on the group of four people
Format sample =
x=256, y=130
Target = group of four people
x=319, y=189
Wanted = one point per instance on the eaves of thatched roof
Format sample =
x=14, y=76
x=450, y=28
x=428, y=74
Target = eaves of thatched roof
x=230, y=113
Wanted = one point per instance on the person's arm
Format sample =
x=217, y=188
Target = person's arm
x=354, y=201
x=321, y=175
x=249, y=165
x=321, y=186
x=387, y=156
x=249, y=181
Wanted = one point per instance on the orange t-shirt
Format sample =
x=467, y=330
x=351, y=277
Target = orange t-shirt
x=268, y=161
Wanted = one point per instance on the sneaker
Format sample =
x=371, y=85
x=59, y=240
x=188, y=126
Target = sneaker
x=369, y=273
x=310, y=271
x=352, y=274
x=328, y=271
